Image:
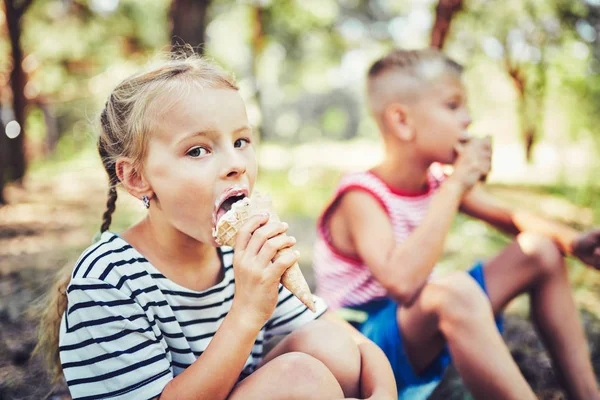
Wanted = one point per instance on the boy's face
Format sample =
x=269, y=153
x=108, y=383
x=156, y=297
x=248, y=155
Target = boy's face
x=199, y=154
x=440, y=118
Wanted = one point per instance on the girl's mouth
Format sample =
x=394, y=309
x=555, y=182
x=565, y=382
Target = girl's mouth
x=226, y=200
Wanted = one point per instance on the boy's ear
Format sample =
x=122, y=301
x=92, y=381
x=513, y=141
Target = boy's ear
x=132, y=179
x=396, y=121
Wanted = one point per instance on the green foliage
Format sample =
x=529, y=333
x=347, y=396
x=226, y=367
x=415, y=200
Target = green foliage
x=299, y=192
x=551, y=42
x=335, y=121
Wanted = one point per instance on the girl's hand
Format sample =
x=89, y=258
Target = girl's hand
x=256, y=277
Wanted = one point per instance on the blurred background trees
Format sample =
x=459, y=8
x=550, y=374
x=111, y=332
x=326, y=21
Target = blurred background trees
x=300, y=63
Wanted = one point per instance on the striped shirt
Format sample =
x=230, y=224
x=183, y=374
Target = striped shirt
x=128, y=330
x=343, y=280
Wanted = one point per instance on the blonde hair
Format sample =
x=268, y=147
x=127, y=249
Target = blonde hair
x=403, y=74
x=125, y=123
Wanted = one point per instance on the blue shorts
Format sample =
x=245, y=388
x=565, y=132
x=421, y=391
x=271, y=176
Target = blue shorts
x=382, y=328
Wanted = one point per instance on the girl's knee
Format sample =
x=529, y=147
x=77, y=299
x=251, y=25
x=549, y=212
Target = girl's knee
x=325, y=339
x=333, y=345
x=305, y=377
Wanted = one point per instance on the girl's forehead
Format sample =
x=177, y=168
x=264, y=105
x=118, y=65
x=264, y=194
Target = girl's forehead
x=197, y=110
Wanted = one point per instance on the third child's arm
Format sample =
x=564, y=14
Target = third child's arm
x=480, y=205
x=585, y=246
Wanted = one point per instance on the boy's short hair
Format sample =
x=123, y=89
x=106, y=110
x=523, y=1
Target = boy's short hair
x=403, y=74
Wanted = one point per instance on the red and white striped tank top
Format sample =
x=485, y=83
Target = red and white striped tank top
x=346, y=281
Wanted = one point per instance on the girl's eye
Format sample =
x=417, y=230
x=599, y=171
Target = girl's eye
x=196, y=152
x=453, y=105
x=241, y=143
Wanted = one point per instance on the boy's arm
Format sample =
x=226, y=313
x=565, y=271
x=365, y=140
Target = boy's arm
x=401, y=268
x=479, y=204
x=376, y=377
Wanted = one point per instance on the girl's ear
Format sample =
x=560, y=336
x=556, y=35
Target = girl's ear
x=396, y=120
x=132, y=179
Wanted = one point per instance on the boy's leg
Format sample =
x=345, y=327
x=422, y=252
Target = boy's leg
x=534, y=264
x=454, y=310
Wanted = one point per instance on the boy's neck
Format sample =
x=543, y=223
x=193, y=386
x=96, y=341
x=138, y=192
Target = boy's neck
x=403, y=171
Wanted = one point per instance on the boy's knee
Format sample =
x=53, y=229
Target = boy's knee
x=462, y=301
x=541, y=252
x=304, y=376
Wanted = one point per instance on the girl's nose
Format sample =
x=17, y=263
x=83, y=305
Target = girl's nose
x=235, y=165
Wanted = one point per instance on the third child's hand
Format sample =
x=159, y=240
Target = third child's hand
x=473, y=162
x=256, y=276
x=587, y=248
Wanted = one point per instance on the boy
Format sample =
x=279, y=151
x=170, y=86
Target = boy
x=384, y=231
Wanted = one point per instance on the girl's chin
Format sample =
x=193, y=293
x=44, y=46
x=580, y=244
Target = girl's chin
x=201, y=237
x=208, y=240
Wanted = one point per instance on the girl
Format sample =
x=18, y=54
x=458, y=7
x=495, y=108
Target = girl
x=155, y=312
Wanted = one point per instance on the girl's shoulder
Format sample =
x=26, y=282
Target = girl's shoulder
x=109, y=260
x=113, y=263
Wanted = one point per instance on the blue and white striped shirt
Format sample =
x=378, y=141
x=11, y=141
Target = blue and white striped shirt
x=128, y=330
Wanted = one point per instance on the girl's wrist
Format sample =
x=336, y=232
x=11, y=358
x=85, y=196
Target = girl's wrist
x=246, y=319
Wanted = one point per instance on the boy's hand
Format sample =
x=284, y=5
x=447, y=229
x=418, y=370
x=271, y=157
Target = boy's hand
x=474, y=161
x=586, y=247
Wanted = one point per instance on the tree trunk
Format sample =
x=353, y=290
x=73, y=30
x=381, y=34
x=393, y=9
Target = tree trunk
x=444, y=12
x=3, y=161
x=530, y=104
x=258, y=44
x=530, y=136
x=52, y=130
x=16, y=164
x=188, y=23
x=520, y=83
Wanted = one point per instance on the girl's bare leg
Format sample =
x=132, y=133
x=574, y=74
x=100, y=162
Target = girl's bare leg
x=332, y=345
x=291, y=376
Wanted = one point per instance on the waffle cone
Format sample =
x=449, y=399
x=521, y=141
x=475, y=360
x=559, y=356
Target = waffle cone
x=231, y=222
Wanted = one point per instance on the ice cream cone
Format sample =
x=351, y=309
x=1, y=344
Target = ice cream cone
x=231, y=222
